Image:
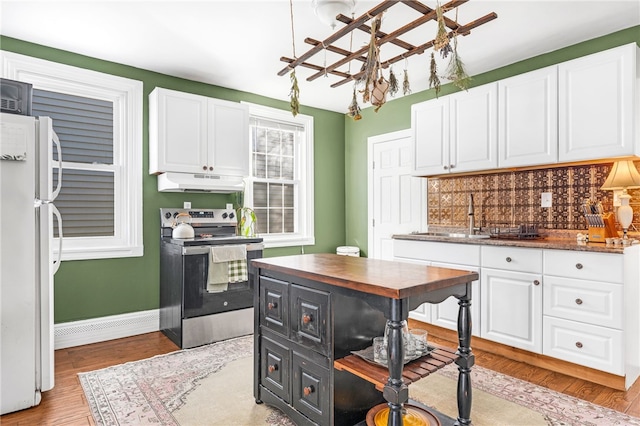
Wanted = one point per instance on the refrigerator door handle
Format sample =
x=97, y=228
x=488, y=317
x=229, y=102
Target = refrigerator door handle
x=56, y=141
x=56, y=213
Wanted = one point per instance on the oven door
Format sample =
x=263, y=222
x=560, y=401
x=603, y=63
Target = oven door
x=197, y=300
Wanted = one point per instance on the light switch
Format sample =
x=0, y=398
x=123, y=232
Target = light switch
x=545, y=199
x=186, y=205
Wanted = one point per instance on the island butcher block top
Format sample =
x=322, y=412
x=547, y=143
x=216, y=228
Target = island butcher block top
x=390, y=279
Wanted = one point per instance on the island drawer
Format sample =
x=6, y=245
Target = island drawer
x=512, y=259
x=593, y=302
x=584, y=344
x=310, y=318
x=275, y=367
x=310, y=393
x=274, y=305
x=583, y=265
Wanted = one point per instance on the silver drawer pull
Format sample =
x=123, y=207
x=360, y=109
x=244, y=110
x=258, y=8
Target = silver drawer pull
x=308, y=390
x=536, y=282
x=578, y=265
x=272, y=368
x=578, y=301
x=272, y=305
x=306, y=319
x=579, y=345
x=508, y=259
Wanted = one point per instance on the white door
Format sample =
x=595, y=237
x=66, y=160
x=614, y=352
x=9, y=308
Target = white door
x=397, y=200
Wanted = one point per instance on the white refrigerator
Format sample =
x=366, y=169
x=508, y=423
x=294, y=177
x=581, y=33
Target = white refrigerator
x=27, y=266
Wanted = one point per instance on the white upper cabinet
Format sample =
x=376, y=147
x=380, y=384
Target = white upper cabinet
x=456, y=133
x=195, y=134
x=597, y=110
x=528, y=119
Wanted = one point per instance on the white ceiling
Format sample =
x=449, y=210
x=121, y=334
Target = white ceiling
x=238, y=44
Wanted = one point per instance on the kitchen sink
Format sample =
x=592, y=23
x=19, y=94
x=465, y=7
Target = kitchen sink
x=453, y=235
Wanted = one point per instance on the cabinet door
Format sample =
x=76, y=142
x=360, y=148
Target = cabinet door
x=512, y=308
x=596, y=100
x=430, y=126
x=445, y=314
x=528, y=119
x=473, y=127
x=178, y=132
x=228, y=138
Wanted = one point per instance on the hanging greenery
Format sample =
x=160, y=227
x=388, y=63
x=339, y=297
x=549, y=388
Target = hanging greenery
x=372, y=65
x=434, y=80
x=294, y=93
x=354, y=108
x=441, y=42
x=406, y=87
x=456, y=71
x=394, y=86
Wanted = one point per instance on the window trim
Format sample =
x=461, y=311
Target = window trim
x=304, y=205
x=126, y=95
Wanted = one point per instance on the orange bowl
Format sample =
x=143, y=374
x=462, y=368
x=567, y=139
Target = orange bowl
x=412, y=416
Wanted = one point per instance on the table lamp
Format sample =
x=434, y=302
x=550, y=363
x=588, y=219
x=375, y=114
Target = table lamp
x=623, y=175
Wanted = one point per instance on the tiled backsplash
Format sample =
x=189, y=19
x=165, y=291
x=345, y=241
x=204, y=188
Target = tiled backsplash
x=514, y=197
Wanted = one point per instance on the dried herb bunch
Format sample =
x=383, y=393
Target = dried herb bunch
x=294, y=94
x=354, y=108
x=406, y=87
x=456, y=71
x=441, y=42
x=372, y=65
x=434, y=80
x=394, y=86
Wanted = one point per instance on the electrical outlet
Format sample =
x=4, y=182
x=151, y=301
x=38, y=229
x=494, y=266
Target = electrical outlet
x=186, y=205
x=545, y=199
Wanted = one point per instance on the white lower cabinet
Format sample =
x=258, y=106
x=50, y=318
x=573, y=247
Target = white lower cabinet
x=573, y=305
x=511, y=311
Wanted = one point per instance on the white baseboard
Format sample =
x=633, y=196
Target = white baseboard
x=77, y=333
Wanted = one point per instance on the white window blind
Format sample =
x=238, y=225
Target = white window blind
x=85, y=129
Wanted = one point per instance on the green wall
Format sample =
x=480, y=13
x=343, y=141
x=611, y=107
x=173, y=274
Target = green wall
x=96, y=288
x=396, y=115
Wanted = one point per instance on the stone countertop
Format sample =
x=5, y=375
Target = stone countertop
x=554, y=242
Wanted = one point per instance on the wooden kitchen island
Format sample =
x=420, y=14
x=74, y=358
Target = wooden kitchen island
x=313, y=310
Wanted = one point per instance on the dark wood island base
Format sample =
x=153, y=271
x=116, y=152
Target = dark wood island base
x=314, y=310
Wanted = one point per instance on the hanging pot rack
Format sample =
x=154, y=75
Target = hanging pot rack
x=359, y=23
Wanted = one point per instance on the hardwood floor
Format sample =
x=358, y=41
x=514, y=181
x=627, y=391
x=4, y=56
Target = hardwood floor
x=65, y=403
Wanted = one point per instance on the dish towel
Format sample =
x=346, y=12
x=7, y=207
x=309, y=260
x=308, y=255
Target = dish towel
x=227, y=264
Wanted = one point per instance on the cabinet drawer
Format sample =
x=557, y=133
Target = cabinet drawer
x=311, y=389
x=275, y=364
x=310, y=318
x=274, y=305
x=465, y=254
x=584, y=344
x=593, y=302
x=583, y=265
x=512, y=259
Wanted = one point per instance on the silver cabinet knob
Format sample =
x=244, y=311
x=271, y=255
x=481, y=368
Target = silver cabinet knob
x=578, y=265
x=536, y=282
x=579, y=345
x=508, y=259
x=578, y=301
x=446, y=167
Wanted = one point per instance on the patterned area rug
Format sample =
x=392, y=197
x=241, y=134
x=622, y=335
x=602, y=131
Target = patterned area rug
x=198, y=386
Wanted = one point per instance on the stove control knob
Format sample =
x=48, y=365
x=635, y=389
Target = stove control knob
x=224, y=215
x=167, y=215
x=231, y=215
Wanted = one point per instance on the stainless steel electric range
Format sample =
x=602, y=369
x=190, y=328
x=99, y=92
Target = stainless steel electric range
x=192, y=312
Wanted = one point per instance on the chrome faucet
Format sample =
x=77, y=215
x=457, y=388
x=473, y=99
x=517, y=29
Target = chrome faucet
x=471, y=214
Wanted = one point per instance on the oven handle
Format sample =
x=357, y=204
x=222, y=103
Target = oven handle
x=205, y=249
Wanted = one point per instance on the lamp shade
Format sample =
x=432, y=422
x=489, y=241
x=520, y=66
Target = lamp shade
x=623, y=175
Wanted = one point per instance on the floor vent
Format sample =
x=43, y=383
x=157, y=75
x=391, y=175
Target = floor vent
x=94, y=330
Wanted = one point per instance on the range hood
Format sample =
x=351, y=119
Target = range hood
x=199, y=182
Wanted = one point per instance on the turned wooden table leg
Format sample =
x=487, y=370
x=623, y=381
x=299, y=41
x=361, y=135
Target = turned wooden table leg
x=396, y=392
x=466, y=359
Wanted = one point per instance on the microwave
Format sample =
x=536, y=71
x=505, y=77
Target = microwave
x=15, y=97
